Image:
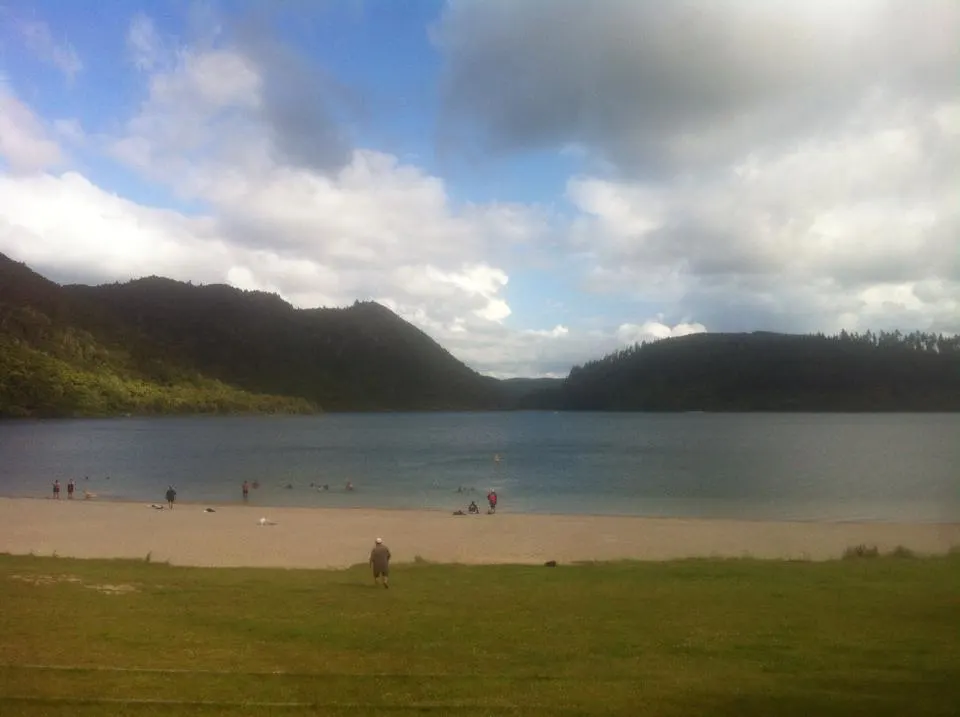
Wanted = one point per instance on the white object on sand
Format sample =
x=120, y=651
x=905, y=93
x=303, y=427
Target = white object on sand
x=264, y=521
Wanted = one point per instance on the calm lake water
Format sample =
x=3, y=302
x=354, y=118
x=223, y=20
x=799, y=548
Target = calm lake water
x=796, y=466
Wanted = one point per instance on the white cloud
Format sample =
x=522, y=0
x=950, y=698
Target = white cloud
x=37, y=37
x=654, y=330
x=799, y=237
x=24, y=142
x=556, y=332
x=69, y=225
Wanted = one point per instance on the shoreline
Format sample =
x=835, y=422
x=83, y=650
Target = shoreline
x=310, y=537
x=106, y=499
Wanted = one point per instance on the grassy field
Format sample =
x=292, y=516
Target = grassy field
x=853, y=637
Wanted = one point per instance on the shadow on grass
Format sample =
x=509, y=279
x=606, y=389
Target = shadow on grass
x=935, y=695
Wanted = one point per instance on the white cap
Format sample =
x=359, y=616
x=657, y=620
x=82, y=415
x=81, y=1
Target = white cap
x=379, y=540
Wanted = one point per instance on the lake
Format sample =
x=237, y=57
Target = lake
x=748, y=466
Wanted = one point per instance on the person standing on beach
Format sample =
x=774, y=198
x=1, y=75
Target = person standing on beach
x=492, y=500
x=246, y=491
x=56, y=489
x=380, y=562
x=171, y=496
x=70, y=488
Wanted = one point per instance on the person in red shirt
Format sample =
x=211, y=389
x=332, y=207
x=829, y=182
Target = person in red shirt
x=492, y=500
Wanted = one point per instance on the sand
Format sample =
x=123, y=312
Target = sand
x=334, y=538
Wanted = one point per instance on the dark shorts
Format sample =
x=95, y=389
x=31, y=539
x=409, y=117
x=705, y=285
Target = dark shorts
x=384, y=572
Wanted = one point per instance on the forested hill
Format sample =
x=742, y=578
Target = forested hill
x=363, y=357
x=160, y=346
x=768, y=372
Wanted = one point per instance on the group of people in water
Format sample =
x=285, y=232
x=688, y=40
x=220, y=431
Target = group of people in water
x=245, y=488
x=171, y=494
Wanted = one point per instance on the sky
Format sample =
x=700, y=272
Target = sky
x=533, y=183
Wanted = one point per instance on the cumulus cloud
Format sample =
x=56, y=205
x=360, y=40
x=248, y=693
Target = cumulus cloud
x=70, y=227
x=653, y=85
x=832, y=233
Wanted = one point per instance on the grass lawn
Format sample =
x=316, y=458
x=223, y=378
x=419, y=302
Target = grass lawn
x=738, y=637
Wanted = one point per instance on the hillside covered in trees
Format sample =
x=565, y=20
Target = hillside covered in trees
x=768, y=372
x=157, y=346
x=160, y=346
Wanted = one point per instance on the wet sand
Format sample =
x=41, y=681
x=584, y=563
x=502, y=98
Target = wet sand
x=331, y=538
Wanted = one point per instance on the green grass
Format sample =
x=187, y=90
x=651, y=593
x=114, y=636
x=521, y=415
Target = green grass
x=740, y=637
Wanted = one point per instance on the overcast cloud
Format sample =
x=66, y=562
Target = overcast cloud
x=783, y=165
x=658, y=86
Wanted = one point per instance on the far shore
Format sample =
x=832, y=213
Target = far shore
x=232, y=535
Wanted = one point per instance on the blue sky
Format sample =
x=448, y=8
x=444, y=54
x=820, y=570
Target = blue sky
x=534, y=184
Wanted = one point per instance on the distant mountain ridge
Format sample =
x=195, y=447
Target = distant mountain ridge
x=62, y=345
x=766, y=371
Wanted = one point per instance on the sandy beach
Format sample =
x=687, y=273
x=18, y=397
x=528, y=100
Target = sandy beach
x=333, y=538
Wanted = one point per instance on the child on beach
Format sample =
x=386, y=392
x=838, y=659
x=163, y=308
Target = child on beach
x=56, y=489
x=70, y=487
x=171, y=496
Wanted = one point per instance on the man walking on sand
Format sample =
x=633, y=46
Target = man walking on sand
x=380, y=562
x=171, y=496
